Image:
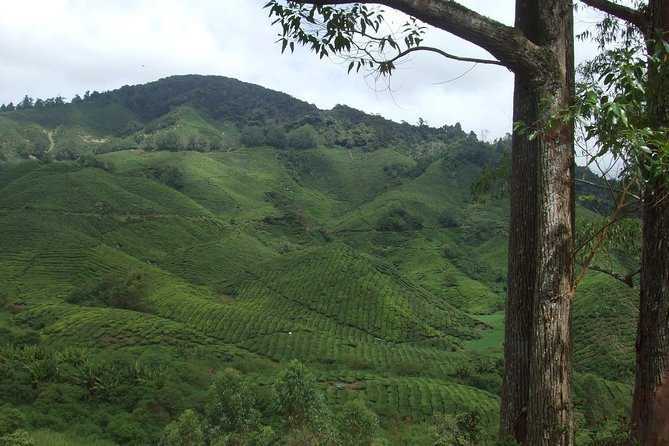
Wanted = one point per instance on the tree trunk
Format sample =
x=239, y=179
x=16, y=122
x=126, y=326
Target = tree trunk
x=651, y=390
x=650, y=407
x=518, y=332
x=521, y=271
x=550, y=408
x=537, y=406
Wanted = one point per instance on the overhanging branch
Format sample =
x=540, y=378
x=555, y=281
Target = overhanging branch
x=631, y=15
x=444, y=54
x=507, y=44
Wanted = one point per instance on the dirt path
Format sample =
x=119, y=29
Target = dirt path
x=51, y=135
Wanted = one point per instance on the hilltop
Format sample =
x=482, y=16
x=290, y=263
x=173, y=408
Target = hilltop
x=199, y=222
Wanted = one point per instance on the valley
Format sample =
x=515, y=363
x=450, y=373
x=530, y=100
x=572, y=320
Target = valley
x=155, y=235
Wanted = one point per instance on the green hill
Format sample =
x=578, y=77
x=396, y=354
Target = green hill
x=154, y=235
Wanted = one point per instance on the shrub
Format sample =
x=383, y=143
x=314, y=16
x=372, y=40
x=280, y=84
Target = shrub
x=252, y=136
x=231, y=406
x=127, y=428
x=114, y=291
x=275, y=137
x=187, y=430
x=356, y=424
x=171, y=176
x=91, y=161
x=304, y=137
x=11, y=419
x=462, y=430
x=409, y=368
x=17, y=438
x=171, y=142
x=446, y=220
x=298, y=396
x=398, y=220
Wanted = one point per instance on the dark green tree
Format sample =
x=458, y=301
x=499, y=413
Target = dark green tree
x=26, y=103
x=231, y=406
x=298, y=396
x=356, y=424
x=187, y=430
x=275, y=136
x=171, y=141
x=304, y=137
x=114, y=290
x=252, y=136
x=628, y=106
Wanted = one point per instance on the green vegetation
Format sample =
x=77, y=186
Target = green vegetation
x=170, y=251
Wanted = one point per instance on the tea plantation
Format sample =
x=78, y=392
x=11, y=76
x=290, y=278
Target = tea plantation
x=159, y=240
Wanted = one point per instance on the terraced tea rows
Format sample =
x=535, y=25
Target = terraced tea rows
x=109, y=327
x=379, y=314
x=338, y=284
x=607, y=306
x=421, y=398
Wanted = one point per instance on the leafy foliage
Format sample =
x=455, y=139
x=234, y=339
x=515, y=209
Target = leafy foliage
x=328, y=30
x=298, y=396
x=187, y=430
x=357, y=425
x=231, y=406
x=113, y=291
x=398, y=220
x=614, y=108
x=462, y=430
x=303, y=137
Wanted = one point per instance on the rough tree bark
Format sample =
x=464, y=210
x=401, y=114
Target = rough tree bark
x=650, y=407
x=550, y=408
x=518, y=329
x=537, y=376
x=537, y=346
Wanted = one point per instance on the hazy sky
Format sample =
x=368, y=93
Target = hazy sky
x=65, y=47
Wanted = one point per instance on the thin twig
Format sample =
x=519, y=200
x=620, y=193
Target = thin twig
x=602, y=235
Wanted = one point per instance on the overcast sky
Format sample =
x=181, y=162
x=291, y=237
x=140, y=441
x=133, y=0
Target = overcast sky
x=65, y=47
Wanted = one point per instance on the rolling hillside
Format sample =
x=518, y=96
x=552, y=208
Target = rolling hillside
x=156, y=234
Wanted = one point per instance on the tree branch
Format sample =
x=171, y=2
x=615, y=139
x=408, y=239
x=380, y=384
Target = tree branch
x=602, y=236
x=507, y=44
x=608, y=187
x=631, y=15
x=627, y=279
x=444, y=54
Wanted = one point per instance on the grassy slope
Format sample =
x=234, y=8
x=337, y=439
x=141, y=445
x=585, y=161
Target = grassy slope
x=381, y=311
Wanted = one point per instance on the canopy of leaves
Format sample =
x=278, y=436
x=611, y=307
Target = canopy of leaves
x=298, y=395
x=356, y=32
x=187, y=430
x=615, y=109
x=231, y=406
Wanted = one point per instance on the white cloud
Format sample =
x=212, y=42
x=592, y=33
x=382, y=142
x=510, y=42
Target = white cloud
x=66, y=47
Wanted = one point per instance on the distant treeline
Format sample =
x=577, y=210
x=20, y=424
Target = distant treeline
x=28, y=102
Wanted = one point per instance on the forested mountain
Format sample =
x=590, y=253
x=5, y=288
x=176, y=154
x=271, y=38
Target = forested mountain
x=156, y=235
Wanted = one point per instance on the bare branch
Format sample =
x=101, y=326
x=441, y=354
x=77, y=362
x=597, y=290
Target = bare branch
x=446, y=55
x=608, y=187
x=627, y=279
